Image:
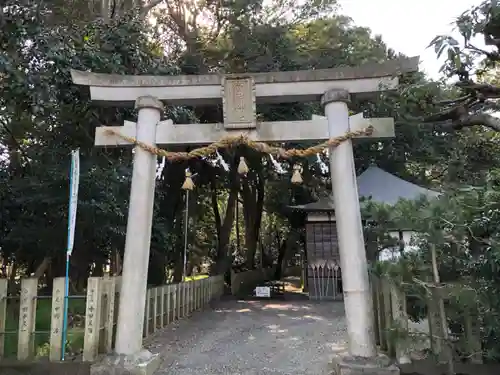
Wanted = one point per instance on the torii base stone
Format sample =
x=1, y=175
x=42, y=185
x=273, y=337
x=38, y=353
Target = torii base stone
x=344, y=364
x=142, y=363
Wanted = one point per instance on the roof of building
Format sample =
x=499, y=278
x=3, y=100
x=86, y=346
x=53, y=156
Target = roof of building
x=380, y=186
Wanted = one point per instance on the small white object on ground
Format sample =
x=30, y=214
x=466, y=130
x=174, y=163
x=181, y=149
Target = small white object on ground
x=263, y=291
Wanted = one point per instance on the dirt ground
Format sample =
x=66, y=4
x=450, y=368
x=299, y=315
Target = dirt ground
x=290, y=336
x=254, y=337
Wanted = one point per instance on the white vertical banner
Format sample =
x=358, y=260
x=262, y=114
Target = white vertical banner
x=74, y=180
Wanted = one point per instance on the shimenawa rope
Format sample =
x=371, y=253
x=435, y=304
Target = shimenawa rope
x=232, y=141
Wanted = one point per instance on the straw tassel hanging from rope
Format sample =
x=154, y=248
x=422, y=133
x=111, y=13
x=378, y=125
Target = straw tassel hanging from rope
x=188, y=182
x=297, y=174
x=242, y=166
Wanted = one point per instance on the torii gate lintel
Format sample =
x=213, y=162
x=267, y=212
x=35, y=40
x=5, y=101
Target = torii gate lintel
x=170, y=134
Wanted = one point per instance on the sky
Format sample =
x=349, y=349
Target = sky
x=408, y=26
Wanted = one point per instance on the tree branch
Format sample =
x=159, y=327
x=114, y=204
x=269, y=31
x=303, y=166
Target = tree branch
x=465, y=121
x=485, y=89
x=146, y=8
x=484, y=119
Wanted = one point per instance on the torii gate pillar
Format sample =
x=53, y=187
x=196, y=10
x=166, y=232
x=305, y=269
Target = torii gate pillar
x=356, y=285
x=138, y=237
x=362, y=355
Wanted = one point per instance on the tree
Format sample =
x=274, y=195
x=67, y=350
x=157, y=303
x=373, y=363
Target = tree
x=475, y=69
x=44, y=116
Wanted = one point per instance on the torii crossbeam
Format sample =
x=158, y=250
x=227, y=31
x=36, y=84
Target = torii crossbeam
x=169, y=134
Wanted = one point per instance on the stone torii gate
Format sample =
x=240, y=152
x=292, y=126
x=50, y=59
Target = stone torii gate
x=239, y=95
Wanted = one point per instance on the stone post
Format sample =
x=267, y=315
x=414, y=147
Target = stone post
x=362, y=353
x=356, y=285
x=137, y=242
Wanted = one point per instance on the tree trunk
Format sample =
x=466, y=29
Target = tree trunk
x=215, y=207
x=42, y=267
x=372, y=250
x=223, y=261
x=286, y=251
x=98, y=270
x=156, y=270
x=281, y=257
x=253, y=204
x=116, y=263
x=11, y=285
x=238, y=244
x=178, y=268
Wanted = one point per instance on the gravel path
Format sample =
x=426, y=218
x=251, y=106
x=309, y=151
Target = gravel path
x=254, y=337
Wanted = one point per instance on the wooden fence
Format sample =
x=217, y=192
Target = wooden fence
x=164, y=304
x=396, y=336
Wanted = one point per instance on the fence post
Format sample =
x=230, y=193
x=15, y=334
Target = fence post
x=163, y=289
x=155, y=292
x=200, y=294
x=109, y=290
x=177, y=305
x=147, y=314
x=177, y=302
x=185, y=299
x=207, y=286
x=169, y=307
x=213, y=284
x=197, y=294
x=193, y=295
x=3, y=314
x=207, y=292
x=216, y=287
x=386, y=293
x=56, y=321
x=92, y=319
x=398, y=299
x=376, y=307
x=27, y=313
x=202, y=284
x=180, y=301
x=189, y=298
x=213, y=287
x=435, y=326
x=472, y=336
x=382, y=325
x=204, y=293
